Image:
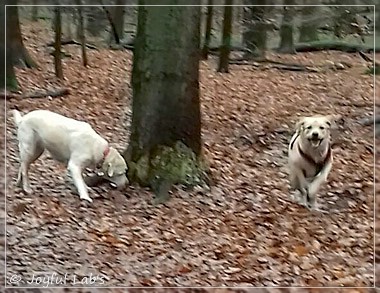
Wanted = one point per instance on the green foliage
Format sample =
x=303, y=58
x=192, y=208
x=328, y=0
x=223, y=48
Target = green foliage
x=373, y=70
x=166, y=166
x=177, y=164
x=12, y=83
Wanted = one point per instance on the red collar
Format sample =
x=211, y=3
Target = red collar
x=318, y=165
x=106, y=152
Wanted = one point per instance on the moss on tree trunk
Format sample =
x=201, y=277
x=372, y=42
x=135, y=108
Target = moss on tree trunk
x=165, y=143
x=12, y=83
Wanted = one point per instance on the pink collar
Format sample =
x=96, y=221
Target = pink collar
x=106, y=152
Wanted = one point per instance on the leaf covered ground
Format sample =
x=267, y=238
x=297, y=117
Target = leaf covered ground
x=246, y=230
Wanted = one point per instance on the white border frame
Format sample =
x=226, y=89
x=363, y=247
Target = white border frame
x=221, y=287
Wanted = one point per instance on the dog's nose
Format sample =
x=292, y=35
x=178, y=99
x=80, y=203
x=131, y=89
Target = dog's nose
x=314, y=135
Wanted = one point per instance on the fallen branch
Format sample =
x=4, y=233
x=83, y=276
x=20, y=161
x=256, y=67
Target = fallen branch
x=269, y=64
x=366, y=121
x=48, y=93
x=353, y=104
x=365, y=57
x=334, y=46
x=73, y=42
x=36, y=95
x=368, y=59
x=8, y=95
x=215, y=50
x=294, y=68
x=128, y=46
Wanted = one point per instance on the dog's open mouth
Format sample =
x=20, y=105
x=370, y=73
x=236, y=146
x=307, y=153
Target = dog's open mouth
x=315, y=142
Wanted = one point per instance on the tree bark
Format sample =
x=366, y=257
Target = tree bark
x=112, y=24
x=165, y=82
x=35, y=10
x=226, y=41
x=20, y=56
x=208, y=28
x=255, y=33
x=82, y=36
x=309, y=23
x=57, y=44
x=286, y=30
x=68, y=34
x=118, y=18
x=8, y=77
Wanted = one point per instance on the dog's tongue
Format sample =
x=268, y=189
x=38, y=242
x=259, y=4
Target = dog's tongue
x=315, y=143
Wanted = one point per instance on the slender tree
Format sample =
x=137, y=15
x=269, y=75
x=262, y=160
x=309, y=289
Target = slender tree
x=57, y=43
x=8, y=77
x=165, y=132
x=112, y=23
x=118, y=18
x=35, y=10
x=20, y=56
x=226, y=41
x=208, y=27
x=286, y=30
x=255, y=32
x=82, y=35
x=309, y=28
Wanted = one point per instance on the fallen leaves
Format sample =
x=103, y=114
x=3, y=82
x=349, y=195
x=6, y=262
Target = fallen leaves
x=245, y=230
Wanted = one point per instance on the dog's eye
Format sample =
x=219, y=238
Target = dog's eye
x=309, y=127
x=321, y=127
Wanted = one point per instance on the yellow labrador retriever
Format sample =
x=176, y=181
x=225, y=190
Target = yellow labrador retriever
x=69, y=141
x=310, y=156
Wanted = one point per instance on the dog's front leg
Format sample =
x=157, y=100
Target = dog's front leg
x=318, y=180
x=76, y=173
x=300, y=183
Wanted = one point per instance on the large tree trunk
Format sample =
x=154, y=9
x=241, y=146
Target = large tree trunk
x=286, y=30
x=7, y=77
x=165, y=133
x=208, y=27
x=309, y=23
x=57, y=43
x=255, y=31
x=226, y=41
x=20, y=56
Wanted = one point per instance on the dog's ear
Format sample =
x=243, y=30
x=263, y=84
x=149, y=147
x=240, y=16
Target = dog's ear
x=333, y=120
x=109, y=170
x=300, y=124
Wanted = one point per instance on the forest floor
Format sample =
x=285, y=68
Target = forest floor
x=246, y=230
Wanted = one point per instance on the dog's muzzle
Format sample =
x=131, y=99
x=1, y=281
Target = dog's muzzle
x=315, y=140
x=118, y=182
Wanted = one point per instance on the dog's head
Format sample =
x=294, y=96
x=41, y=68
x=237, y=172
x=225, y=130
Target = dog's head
x=115, y=168
x=315, y=130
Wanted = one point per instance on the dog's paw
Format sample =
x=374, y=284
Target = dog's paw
x=27, y=189
x=86, y=198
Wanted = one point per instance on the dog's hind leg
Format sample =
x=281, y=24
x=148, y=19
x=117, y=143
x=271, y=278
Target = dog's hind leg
x=30, y=150
x=76, y=173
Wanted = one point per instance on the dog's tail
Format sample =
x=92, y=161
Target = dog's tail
x=17, y=116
